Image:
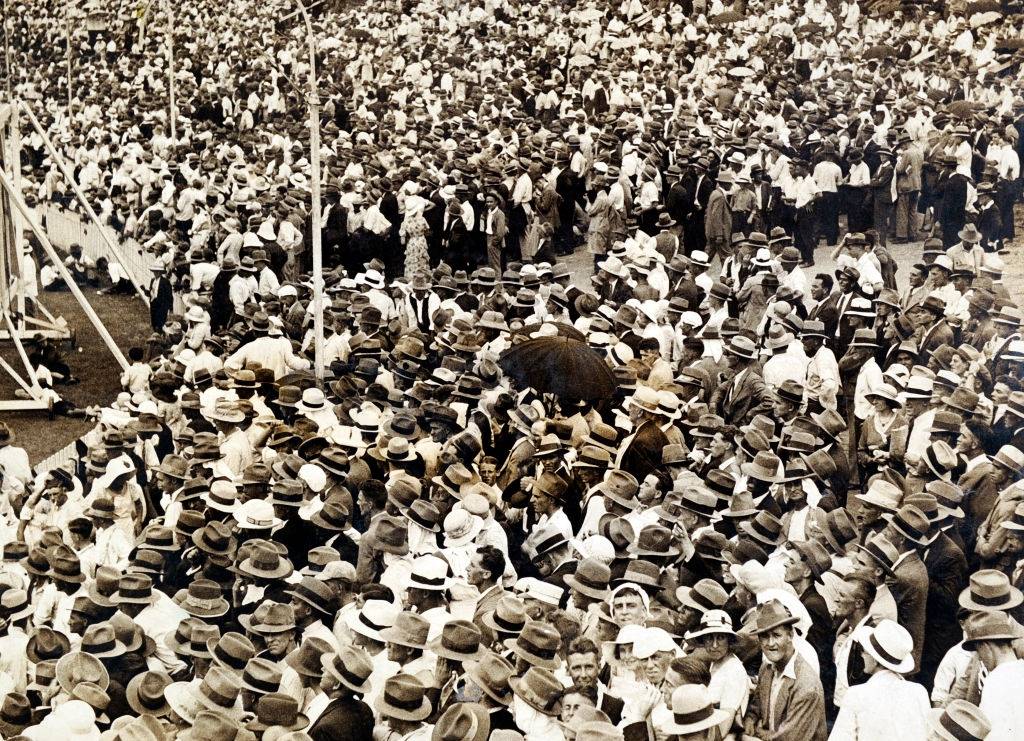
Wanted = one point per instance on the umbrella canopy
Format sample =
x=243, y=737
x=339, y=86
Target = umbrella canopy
x=984, y=6
x=879, y=51
x=563, y=329
x=1009, y=44
x=741, y=72
x=963, y=108
x=581, y=60
x=562, y=366
x=729, y=16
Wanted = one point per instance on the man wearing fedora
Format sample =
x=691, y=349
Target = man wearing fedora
x=789, y=703
x=743, y=393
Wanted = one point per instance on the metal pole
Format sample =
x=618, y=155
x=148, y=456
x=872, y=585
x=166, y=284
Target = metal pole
x=19, y=204
x=70, y=178
x=170, y=71
x=67, y=42
x=314, y=163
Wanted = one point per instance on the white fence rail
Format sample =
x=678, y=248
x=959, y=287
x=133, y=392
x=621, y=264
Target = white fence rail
x=68, y=453
x=65, y=228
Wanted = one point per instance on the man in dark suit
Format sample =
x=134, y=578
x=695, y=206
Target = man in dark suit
x=161, y=297
x=952, y=209
x=934, y=330
x=826, y=310
x=694, y=234
x=742, y=394
x=346, y=716
x=907, y=531
x=947, y=577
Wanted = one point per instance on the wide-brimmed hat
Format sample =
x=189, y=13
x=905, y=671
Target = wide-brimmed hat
x=203, y=598
x=537, y=644
x=693, y=710
x=705, y=595
x=990, y=590
x=764, y=527
x=374, y=616
x=539, y=689
x=989, y=626
x=764, y=467
x=491, y=673
x=351, y=666
x=265, y=562
x=459, y=640
x=99, y=640
x=404, y=697
x=882, y=494
x=15, y=714
x=771, y=615
x=76, y=667
x=743, y=347
x=410, y=629
x=591, y=579
x=45, y=643
x=959, y=720
x=713, y=622
x=145, y=693
x=508, y=616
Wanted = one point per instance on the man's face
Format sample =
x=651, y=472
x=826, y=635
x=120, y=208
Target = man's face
x=278, y=644
x=818, y=290
x=845, y=283
x=716, y=645
x=1000, y=394
x=476, y=574
x=628, y=609
x=867, y=514
x=718, y=446
x=571, y=704
x=916, y=278
x=542, y=503
x=782, y=408
x=777, y=644
x=939, y=276
x=488, y=473
x=656, y=665
x=302, y=610
x=583, y=670
x=796, y=569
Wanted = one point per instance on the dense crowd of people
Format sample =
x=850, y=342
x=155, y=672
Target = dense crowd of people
x=756, y=478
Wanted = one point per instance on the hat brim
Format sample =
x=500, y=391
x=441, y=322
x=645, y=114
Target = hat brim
x=1014, y=599
x=513, y=645
x=599, y=594
x=385, y=709
x=552, y=712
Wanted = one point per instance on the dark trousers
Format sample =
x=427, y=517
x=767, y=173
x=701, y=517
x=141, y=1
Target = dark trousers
x=828, y=217
x=883, y=216
x=805, y=235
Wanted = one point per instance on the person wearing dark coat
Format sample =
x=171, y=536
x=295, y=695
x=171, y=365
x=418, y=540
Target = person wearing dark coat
x=346, y=717
x=909, y=583
x=641, y=455
x=221, y=308
x=161, y=297
x=947, y=577
x=952, y=207
x=742, y=394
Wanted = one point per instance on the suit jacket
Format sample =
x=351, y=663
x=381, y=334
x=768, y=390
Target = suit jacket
x=938, y=334
x=717, y=217
x=947, y=577
x=826, y=311
x=160, y=302
x=643, y=454
x=738, y=405
x=910, y=590
x=488, y=603
x=799, y=707
x=343, y=720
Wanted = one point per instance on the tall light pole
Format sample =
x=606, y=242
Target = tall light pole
x=314, y=163
x=173, y=113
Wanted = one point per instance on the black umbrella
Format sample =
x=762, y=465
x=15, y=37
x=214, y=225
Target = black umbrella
x=562, y=366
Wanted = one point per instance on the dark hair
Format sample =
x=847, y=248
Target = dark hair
x=374, y=490
x=692, y=670
x=694, y=343
x=650, y=343
x=863, y=589
x=583, y=646
x=374, y=590
x=826, y=280
x=135, y=354
x=1009, y=381
x=493, y=560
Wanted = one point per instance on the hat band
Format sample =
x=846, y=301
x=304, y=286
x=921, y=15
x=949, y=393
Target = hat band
x=685, y=719
x=151, y=702
x=587, y=582
x=700, y=599
x=217, y=544
x=533, y=648
x=348, y=676
x=459, y=648
x=198, y=647
x=369, y=623
x=882, y=653
x=509, y=626
x=989, y=601
x=872, y=549
x=224, y=701
x=908, y=529
x=956, y=730
x=429, y=580
x=98, y=648
x=395, y=702
x=761, y=530
x=258, y=521
x=146, y=593
x=234, y=662
x=262, y=685
x=203, y=603
x=545, y=545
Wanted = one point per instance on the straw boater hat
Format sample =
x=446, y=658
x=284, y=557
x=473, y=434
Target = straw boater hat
x=890, y=644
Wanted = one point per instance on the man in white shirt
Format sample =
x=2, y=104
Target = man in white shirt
x=827, y=175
